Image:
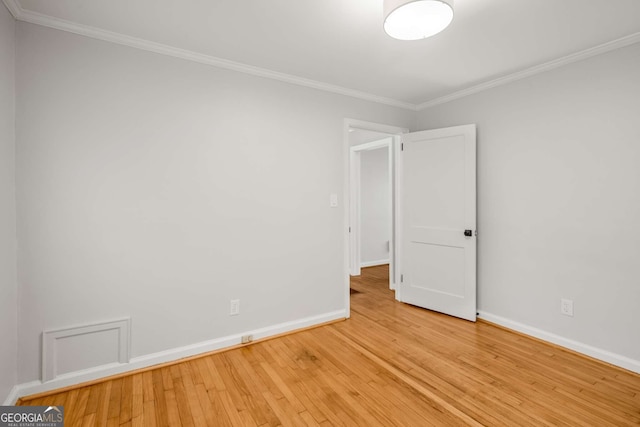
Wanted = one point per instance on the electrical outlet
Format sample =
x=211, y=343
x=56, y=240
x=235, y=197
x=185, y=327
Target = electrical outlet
x=247, y=339
x=566, y=307
x=235, y=307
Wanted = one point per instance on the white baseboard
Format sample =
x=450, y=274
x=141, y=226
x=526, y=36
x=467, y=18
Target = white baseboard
x=374, y=263
x=12, y=397
x=72, y=378
x=596, y=353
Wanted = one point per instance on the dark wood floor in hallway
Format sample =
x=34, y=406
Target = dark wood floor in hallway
x=390, y=364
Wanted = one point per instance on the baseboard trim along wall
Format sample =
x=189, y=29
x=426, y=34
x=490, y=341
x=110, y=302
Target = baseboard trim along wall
x=12, y=397
x=141, y=362
x=374, y=263
x=174, y=354
x=596, y=353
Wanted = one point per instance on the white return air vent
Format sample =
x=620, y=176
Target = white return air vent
x=83, y=348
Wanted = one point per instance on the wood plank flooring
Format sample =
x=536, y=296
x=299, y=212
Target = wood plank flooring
x=391, y=364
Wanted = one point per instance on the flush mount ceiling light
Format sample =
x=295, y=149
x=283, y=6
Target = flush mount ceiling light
x=416, y=19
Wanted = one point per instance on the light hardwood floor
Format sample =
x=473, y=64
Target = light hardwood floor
x=390, y=364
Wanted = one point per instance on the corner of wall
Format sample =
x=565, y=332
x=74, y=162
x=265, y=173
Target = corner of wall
x=8, y=228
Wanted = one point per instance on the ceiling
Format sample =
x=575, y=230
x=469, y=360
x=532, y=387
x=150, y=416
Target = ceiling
x=339, y=45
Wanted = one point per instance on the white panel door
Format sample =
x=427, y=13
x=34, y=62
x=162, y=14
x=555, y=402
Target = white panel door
x=437, y=228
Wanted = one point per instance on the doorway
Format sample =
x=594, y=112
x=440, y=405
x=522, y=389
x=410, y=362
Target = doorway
x=432, y=248
x=371, y=202
x=369, y=142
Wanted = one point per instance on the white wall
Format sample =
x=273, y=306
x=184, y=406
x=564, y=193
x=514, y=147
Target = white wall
x=375, y=206
x=559, y=198
x=160, y=189
x=8, y=283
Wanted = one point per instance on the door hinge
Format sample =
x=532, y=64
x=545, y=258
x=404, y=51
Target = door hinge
x=402, y=146
x=349, y=229
x=402, y=278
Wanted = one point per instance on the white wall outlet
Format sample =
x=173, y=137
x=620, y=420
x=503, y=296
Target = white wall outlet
x=235, y=307
x=566, y=307
x=333, y=200
x=247, y=339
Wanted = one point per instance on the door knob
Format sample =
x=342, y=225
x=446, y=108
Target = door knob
x=468, y=233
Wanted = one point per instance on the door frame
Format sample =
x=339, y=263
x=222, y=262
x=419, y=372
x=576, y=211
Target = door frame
x=395, y=132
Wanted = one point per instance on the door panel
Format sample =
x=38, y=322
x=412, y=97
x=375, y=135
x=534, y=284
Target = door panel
x=438, y=203
x=433, y=168
x=437, y=268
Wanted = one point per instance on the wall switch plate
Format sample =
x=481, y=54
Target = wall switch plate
x=566, y=307
x=235, y=307
x=333, y=200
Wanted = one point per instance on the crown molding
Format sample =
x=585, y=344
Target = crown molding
x=14, y=8
x=137, y=43
x=547, y=66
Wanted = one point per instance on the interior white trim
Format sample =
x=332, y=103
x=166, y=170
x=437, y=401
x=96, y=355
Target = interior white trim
x=49, y=347
x=13, y=7
x=137, y=43
x=375, y=127
x=169, y=355
x=537, y=69
x=346, y=193
x=36, y=18
x=383, y=142
x=354, y=212
x=597, y=353
x=12, y=397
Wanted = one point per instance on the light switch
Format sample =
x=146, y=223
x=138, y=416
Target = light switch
x=333, y=200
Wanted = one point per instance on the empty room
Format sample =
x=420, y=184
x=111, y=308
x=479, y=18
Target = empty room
x=363, y=212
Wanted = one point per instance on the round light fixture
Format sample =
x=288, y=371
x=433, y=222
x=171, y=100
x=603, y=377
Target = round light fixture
x=416, y=19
